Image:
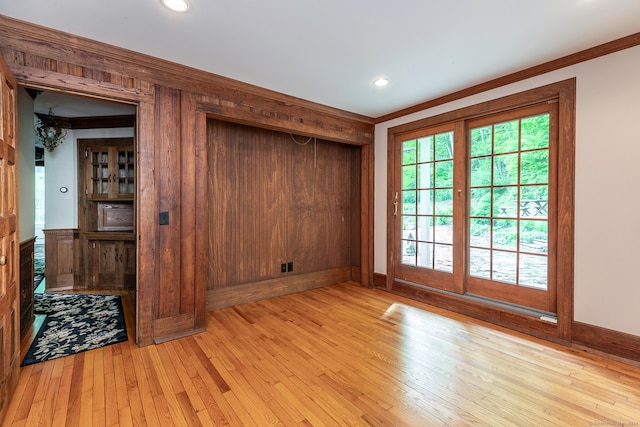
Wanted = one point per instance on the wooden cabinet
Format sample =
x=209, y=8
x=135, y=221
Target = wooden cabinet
x=111, y=260
x=61, y=268
x=110, y=169
x=106, y=212
x=26, y=285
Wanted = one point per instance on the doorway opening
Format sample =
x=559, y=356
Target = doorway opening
x=54, y=209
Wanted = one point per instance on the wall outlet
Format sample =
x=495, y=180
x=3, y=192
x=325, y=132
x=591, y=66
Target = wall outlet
x=283, y=268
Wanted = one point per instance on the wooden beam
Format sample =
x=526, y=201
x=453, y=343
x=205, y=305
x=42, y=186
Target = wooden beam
x=70, y=60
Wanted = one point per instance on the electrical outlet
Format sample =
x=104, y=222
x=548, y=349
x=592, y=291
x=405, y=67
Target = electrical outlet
x=290, y=266
x=283, y=268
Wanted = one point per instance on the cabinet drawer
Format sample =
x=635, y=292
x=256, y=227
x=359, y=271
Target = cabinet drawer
x=115, y=217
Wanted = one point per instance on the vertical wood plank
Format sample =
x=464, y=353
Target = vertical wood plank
x=201, y=228
x=181, y=157
x=187, y=196
x=168, y=157
x=147, y=223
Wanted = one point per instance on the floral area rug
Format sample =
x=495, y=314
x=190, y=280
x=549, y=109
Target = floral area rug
x=75, y=323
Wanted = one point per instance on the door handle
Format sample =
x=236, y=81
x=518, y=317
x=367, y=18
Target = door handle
x=3, y=260
x=395, y=205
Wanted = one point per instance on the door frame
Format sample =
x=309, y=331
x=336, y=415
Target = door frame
x=564, y=92
x=141, y=102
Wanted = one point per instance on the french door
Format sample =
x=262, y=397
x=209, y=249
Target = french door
x=474, y=206
x=427, y=207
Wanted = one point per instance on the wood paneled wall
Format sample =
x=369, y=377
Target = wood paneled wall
x=173, y=102
x=275, y=201
x=26, y=284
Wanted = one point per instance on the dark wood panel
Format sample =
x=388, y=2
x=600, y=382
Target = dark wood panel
x=110, y=262
x=62, y=267
x=147, y=224
x=318, y=196
x=95, y=122
x=180, y=296
x=244, y=236
x=26, y=284
x=102, y=122
x=274, y=201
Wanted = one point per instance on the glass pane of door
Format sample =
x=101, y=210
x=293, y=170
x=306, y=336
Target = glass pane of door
x=508, y=202
x=427, y=202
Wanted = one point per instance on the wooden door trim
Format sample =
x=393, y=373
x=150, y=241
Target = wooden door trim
x=366, y=216
x=146, y=222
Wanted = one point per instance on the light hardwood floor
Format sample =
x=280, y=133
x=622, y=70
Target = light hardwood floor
x=340, y=355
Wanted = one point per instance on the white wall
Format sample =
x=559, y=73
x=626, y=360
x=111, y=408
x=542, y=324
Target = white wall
x=607, y=206
x=61, y=170
x=26, y=167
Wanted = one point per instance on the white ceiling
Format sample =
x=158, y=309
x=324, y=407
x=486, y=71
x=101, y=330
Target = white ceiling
x=330, y=51
x=75, y=106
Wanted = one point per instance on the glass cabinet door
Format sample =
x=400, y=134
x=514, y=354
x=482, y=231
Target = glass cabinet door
x=125, y=176
x=111, y=172
x=100, y=174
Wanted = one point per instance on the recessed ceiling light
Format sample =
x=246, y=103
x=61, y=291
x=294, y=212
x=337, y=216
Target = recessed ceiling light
x=381, y=82
x=176, y=5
